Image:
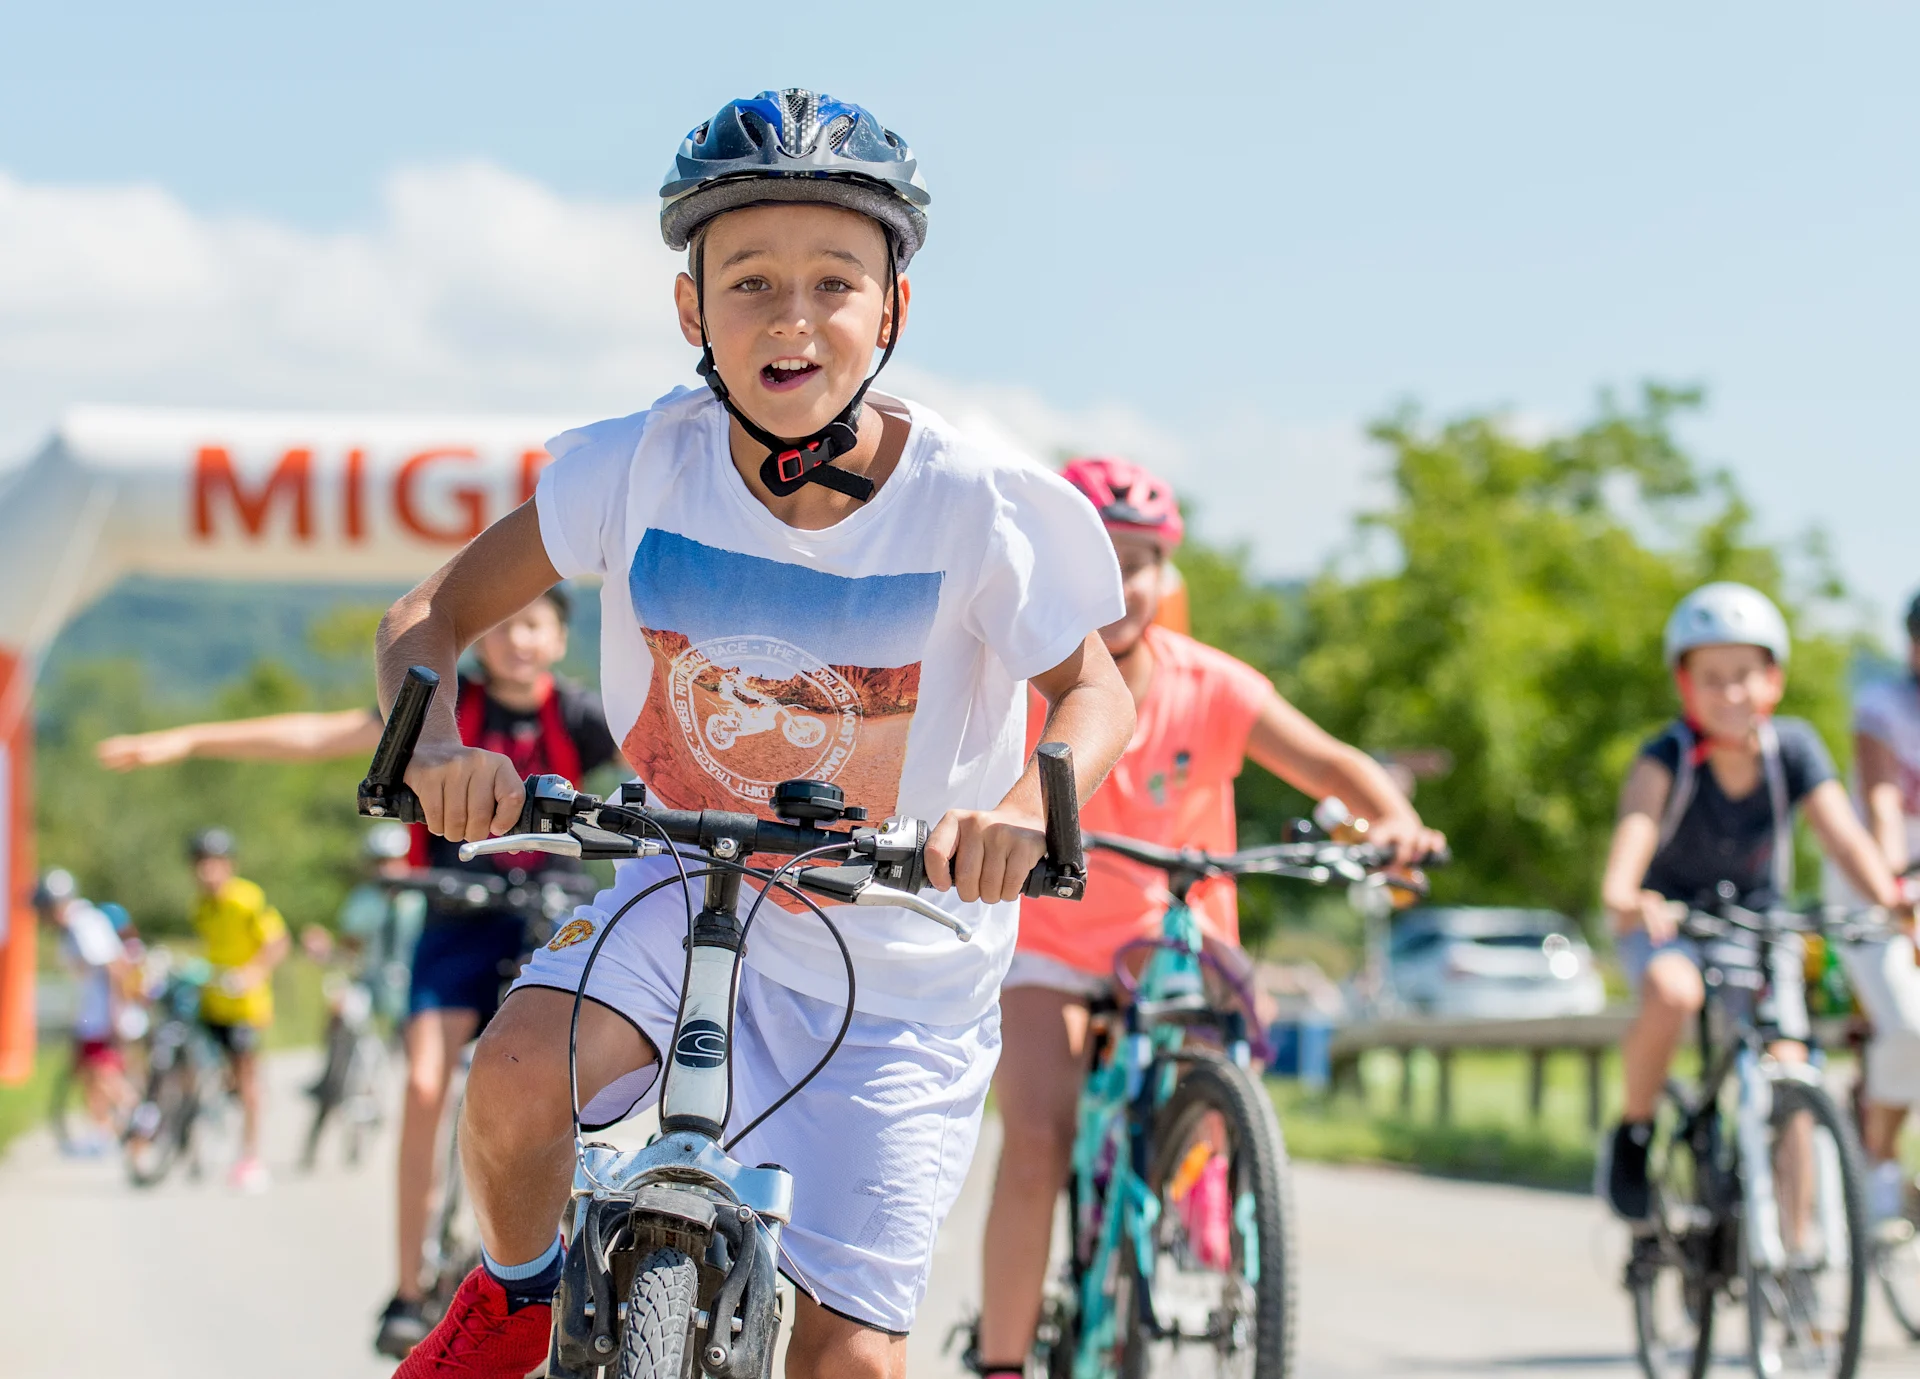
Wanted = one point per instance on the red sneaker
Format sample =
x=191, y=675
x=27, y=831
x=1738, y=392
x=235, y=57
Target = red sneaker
x=479, y=1339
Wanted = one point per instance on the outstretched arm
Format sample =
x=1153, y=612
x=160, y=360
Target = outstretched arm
x=287, y=737
x=1307, y=757
x=985, y=854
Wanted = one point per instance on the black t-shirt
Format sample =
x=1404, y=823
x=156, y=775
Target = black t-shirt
x=585, y=724
x=1721, y=839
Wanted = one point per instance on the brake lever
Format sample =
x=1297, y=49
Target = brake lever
x=856, y=886
x=559, y=844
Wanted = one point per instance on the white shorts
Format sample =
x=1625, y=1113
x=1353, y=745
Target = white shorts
x=1884, y=977
x=878, y=1144
x=1037, y=969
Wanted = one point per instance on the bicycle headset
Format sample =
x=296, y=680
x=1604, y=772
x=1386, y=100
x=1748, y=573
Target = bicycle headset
x=796, y=145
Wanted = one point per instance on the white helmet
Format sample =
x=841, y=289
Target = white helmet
x=1726, y=614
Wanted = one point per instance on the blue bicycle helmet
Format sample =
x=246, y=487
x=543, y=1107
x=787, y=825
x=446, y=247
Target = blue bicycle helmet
x=795, y=145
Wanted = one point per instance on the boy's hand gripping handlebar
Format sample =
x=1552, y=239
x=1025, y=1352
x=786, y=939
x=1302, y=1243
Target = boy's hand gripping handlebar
x=383, y=794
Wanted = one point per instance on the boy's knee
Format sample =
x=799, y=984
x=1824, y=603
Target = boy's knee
x=1672, y=987
x=518, y=1093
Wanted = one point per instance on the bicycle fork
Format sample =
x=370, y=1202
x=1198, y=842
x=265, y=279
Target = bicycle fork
x=682, y=1191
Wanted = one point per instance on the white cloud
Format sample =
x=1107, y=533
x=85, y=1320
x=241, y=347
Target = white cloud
x=478, y=289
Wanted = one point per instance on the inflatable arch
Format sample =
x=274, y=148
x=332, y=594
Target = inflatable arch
x=215, y=495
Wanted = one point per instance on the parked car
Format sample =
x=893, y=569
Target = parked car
x=1482, y=962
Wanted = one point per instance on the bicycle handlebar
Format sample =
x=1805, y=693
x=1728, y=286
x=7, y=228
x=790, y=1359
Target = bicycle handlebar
x=889, y=866
x=1299, y=860
x=383, y=794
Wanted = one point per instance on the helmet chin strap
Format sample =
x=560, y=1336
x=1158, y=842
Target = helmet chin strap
x=793, y=464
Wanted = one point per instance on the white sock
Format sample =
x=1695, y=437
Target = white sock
x=533, y=1268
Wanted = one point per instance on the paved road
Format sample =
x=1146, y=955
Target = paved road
x=1405, y=1275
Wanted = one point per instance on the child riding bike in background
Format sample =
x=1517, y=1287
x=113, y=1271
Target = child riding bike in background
x=244, y=939
x=862, y=564
x=1201, y=714
x=519, y=708
x=1883, y=974
x=1708, y=801
x=92, y=949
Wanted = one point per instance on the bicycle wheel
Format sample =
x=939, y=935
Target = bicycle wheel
x=658, y=1343
x=1805, y=1316
x=1221, y=1280
x=163, y=1122
x=1676, y=1269
x=1896, y=1259
x=453, y=1240
x=330, y=1090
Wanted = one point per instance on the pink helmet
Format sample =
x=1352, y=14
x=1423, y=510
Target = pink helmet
x=1128, y=497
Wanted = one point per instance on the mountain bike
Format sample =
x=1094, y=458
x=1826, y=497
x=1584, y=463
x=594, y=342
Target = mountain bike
x=1182, y=1257
x=351, y=1089
x=670, y=1268
x=1758, y=1192
x=185, y=1099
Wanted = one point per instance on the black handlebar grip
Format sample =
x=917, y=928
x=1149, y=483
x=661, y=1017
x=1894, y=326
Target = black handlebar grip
x=382, y=794
x=1064, y=873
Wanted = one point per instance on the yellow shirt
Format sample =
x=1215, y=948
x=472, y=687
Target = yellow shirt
x=236, y=924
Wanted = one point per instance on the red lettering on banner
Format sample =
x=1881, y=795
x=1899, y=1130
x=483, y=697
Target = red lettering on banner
x=531, y=463
x=471, y=501
x=354, y=496
x=213, y=472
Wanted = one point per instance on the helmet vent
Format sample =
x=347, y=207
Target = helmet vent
x=801, y=124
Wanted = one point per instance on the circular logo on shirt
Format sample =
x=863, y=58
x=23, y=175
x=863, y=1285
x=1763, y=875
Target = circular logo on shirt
x=756, y=710
x=702, y=1044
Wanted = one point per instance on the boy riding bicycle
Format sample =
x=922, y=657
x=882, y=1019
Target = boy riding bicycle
x=1201, y=713
x=245, y=940
x=1882, y=973
x=864, y=567
x=1709, y=802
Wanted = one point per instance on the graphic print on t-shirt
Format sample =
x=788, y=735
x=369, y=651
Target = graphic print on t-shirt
x=764, y=672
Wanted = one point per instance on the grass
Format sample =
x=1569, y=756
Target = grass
x=1491, y=1135
x=25, y=1106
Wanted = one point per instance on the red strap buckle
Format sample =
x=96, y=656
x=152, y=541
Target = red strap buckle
x=793, y=458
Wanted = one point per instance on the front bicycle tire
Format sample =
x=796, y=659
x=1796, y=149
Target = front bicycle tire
x=330, y=1090
x=1673, y=1275
x=658, y=1343
x=162, y=1123
x=1224, y=1290
x=1896, y=1259
x=1808, y=1317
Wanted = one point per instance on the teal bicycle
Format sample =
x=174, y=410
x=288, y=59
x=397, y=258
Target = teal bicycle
x=1182, y=1258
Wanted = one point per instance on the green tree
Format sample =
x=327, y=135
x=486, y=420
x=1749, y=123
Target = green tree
x=1520, y=626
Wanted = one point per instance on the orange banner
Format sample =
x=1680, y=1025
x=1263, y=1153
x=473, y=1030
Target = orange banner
x=16, y=880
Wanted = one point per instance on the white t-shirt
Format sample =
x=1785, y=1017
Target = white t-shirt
x=91, y=947
x=885, y=654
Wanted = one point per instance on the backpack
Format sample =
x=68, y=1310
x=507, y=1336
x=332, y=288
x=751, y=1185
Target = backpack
x=1686, y=781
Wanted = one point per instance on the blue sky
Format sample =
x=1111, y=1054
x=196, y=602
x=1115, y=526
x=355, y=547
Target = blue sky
x=1234, y=232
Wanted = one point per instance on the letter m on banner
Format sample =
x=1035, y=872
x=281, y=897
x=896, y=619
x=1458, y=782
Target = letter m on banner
x=289, y=484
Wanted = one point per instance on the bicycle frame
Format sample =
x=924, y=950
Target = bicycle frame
x=1135, y=1076
x=683, y=1188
